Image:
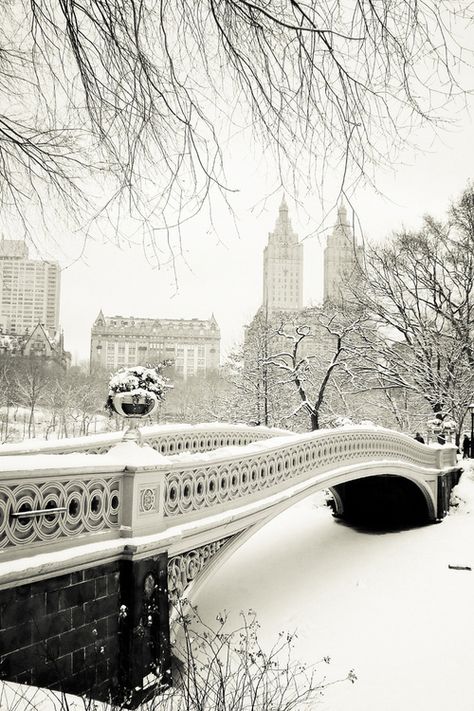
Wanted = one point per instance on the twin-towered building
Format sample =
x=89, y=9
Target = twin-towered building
x=283, y=264
x=271, y=334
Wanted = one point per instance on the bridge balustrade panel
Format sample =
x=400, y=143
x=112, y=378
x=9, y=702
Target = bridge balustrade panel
x=195, y=488
x=56, y=507
x=73, y=500
x=208, y=438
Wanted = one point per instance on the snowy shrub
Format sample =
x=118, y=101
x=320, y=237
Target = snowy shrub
x=438, y=423
x=226, y=667
x=462, y=495
x=342, y=421
x=138, y=381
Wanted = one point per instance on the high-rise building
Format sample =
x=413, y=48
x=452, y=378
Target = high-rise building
x=193, y=345
x=341, y=261
x=283, y=266
x=29, y=290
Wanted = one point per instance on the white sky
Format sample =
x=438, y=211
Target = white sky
x=223, y=274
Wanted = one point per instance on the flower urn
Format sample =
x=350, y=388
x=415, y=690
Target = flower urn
x=135, y=403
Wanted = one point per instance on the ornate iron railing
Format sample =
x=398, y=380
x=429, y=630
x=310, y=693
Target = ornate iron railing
x=219, y=481
x=58, y=505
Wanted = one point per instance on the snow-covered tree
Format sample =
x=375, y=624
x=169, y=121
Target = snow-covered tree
x=31, y=381
x=419, y=295
x=315, y=346
x=201, y=398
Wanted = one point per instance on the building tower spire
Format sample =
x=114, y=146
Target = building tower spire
x=341, y=260
x=283, y=266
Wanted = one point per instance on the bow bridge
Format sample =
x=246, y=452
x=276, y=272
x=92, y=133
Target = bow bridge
x=98, y=536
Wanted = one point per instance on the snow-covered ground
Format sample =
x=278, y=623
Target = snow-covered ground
x=386, y=605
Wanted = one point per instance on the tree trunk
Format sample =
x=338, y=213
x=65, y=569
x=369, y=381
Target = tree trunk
x=31, y=422
x=314, y=421
x=64, y=423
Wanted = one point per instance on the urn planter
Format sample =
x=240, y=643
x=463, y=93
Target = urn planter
x=133, y=404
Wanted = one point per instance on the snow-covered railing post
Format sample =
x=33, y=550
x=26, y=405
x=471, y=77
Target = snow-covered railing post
x=446, y=456
x=144, y=491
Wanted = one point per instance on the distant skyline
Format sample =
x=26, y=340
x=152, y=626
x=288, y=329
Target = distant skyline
x=221, y=271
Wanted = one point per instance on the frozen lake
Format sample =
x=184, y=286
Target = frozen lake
x=386, y=605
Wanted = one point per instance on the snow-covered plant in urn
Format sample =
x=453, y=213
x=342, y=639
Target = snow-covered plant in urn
x=449, y=424
x=342, y=421
x=140, y=386
x=437, y=423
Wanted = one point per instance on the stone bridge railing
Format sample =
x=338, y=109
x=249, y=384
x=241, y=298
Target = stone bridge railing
x=166, y=439
x=49, y=502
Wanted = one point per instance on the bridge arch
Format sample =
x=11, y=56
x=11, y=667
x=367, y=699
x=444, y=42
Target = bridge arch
x=422, y=490
x=383, y=502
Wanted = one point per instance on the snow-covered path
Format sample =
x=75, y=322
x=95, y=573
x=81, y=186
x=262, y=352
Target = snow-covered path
x=386, y=605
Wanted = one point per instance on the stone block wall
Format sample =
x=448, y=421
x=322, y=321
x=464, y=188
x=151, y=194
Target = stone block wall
x=62, y=632
x=98, y=632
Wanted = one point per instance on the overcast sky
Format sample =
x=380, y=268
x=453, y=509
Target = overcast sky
x=220, y=271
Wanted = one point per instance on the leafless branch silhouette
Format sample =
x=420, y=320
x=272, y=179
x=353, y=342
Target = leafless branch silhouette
x=136, y=102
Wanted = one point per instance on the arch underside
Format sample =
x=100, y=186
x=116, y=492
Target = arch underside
x=382, y=502
x=398, y=500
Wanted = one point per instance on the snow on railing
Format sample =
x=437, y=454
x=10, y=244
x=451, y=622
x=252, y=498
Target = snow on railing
x=166, y=439
x=52, y=502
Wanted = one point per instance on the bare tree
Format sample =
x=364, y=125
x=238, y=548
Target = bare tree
x=7, y=396
x=250, y=374
x=200, y=398
x=32, y=381
x=136, y=100
x=259, y=395
x=86, y=396
x=419, y=294
x=317, y=349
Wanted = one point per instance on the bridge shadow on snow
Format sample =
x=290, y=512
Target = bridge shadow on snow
x=381, y=504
